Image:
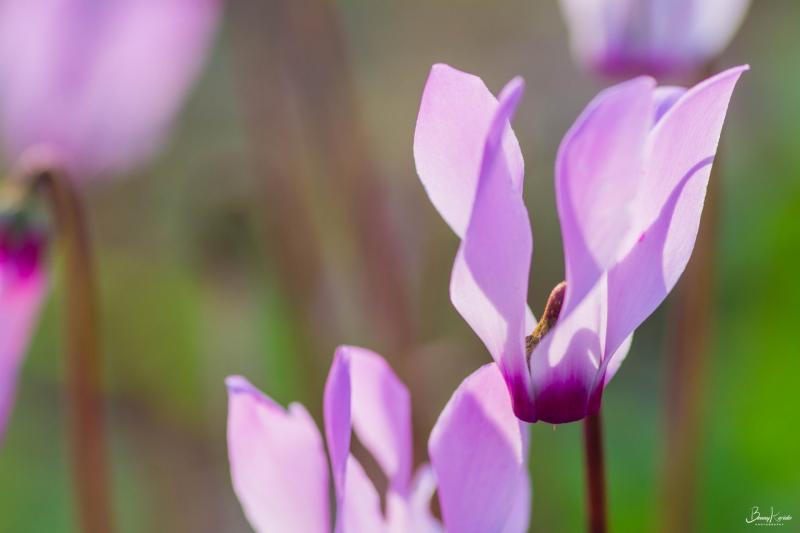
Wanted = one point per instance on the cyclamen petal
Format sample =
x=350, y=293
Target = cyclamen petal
x=665, y=97
x=23, y=286
x=598, y=171
x=479, y=485
x=360, y=508
x=565, y=364
x=520, y=515
x=280, y=476
x=277, y=462
x=97, y=82
x=612, y=364
x=454, y=117
x=363, y=393
x=414, y=514
x=20, y=301
x=631, y=176
x=680, y=150
x=490, y=276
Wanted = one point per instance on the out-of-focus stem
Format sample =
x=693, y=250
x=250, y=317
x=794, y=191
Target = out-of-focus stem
x=274, y=137
x=319, y=67
x=595, y=474
x=83, y=358
x=688, y=367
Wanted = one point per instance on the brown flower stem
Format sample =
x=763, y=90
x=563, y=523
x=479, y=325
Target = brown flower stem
x=274, y=138
x=323, y=84
x=292, y=241
x=595, y=474
x=83, y=359
x=688, y=368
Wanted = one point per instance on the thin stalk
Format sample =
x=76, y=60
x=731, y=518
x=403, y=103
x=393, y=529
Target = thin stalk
x=274, y=138
x=320, y=71
x=688, y=368
x=595, y=474
x=83, y=359
x=292, y=241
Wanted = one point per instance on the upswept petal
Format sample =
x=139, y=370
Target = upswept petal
x=665, y=97
x=20, y=301
x=479, y=486
x=364, y=394
x=98, y=81
x=519, y=518
x=687, y=134
x=414, y=513
x=611, y=364
x=454, y=117
x=598, y=169
x=565, y=364
x=277, y=462
x=337, y=414
x=680, y=150
x=489, y=283
x=360, y=510
x=381, y=408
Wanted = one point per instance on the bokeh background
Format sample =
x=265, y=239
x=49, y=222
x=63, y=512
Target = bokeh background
x=285, y=217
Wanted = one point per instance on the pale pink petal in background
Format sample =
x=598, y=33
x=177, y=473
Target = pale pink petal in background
x=21, y=298
x=654, y=37
x=99, y=83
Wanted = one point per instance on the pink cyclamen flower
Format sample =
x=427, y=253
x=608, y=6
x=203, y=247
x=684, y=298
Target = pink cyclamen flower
x=96, y=83
x=651, y=36
x=89, y=87
x=631, y=176
x=478, y=452
x=22, y=289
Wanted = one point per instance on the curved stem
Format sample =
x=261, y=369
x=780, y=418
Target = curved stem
x=83, y=359
x=595, y=474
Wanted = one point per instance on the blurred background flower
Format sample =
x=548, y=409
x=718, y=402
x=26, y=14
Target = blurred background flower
x=97, y=83
x=657, y=37
x=195, y=285
x=22, y=289
x=86, y=88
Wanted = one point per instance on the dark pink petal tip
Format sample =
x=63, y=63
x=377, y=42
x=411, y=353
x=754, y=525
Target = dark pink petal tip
x=562, y=402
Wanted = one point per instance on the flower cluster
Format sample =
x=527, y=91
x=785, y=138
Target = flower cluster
x=478, y=452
